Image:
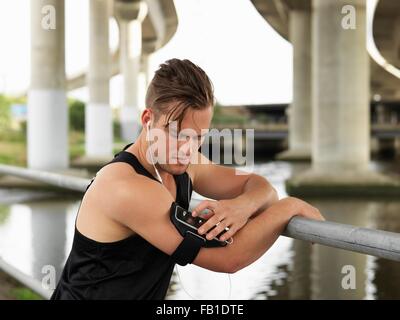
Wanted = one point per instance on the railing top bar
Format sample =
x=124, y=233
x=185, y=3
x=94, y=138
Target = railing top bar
x=379, y=243
x=55, y=179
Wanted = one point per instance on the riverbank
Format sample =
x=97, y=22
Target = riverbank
x=11, y=289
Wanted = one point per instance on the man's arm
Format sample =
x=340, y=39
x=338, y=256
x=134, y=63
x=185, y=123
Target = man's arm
x=250, y=191
x=135, y=207
x=259, y=193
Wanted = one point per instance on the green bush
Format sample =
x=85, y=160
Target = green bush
x=4, y=113
x=22, y=293
x=219, y=117
x=117, y=130
x=7, y=133
x=76, y=113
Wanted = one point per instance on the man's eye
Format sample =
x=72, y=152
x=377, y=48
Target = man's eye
x=184, y=138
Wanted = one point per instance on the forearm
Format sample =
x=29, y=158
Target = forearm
x=258, y=194
x=251, y=242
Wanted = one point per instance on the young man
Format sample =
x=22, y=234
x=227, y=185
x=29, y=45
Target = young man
x=125, y=246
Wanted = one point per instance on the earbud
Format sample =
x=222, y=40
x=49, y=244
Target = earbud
x=148, y=130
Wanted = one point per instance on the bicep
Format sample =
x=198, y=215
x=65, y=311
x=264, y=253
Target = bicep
x=149, y=217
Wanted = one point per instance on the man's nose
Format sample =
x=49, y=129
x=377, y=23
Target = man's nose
x=187, y=147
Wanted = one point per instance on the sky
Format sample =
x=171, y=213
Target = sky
x=247, y=61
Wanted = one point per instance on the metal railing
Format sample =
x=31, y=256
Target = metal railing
x=378, y=243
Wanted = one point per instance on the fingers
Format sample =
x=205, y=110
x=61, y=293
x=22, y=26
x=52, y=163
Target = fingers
x=312, y=212
x=205, y=204
x=217, y=230
x=209, y=224
x=229, y=234
x=207, y=216
x=214, y=221
x=318, y=215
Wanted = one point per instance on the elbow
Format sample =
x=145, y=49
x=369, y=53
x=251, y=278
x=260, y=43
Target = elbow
x=273, y=195
x=232, y=266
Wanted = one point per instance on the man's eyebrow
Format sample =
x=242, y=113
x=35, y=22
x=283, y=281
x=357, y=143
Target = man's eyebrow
x=201, y=135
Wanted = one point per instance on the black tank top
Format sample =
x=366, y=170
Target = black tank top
x=131, y=268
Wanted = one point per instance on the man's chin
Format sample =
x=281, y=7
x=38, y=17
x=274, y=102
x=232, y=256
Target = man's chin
x=177, y=168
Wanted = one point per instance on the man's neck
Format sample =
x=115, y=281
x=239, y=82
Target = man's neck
x=139, y=149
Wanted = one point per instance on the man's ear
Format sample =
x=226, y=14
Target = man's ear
x=146, y=118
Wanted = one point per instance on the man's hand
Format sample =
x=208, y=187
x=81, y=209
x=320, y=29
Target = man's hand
x=234, y=214
x=229, y=213
x=291, y=206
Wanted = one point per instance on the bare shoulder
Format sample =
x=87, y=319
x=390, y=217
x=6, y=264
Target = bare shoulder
x=131, y=196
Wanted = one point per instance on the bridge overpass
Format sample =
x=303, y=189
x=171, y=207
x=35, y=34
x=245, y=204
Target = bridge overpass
x=379, y=27
x=336, y=74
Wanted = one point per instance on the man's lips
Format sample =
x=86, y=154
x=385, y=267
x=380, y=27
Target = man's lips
x=181, y=159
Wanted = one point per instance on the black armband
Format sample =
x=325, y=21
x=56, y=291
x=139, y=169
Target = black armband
x=192, y=242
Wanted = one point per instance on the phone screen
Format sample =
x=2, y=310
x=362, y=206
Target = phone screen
x=185, y=216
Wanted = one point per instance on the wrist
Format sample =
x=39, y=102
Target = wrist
x=280, y=215
x=249, y=205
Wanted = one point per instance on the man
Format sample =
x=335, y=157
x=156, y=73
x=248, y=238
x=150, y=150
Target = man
x=125, y=246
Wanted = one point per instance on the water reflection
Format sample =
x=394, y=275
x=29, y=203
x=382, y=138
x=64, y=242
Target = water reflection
x=387, y=273
x=327, y=263
x=48, y=236
x=300, y=275
x=37, y=233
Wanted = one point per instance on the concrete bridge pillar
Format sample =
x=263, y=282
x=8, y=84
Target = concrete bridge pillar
x=300, y=108
x=145, y=69
x=340, y=88
x=47, y=131
x=130, y=16
x=340, y=104
x=98, y=115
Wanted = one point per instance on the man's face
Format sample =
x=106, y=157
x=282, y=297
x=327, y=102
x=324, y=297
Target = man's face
x=174, y=147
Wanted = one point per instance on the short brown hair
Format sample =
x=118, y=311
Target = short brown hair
x=182, y=85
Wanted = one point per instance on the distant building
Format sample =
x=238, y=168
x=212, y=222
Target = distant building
x=18, y=115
